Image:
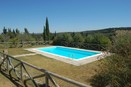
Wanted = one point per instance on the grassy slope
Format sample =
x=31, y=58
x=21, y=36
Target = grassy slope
x=79, y=73
x=4, y=82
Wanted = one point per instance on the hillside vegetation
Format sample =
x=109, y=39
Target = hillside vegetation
x=116, y=71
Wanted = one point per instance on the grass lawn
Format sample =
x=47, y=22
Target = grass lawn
x=4, y=82
x=79, y=73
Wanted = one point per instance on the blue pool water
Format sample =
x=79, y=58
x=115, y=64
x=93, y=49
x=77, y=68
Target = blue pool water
x=67, y=52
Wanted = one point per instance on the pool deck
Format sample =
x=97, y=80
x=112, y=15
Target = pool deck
x=72, y=61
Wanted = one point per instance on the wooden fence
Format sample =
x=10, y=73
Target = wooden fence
x=28, y=75
x=22, y=44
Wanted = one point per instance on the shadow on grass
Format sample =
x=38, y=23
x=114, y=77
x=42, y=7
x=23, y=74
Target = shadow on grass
x=17, y=82
x=13, y=80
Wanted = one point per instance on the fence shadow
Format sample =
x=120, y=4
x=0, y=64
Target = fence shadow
x=21, y=74
x=14, y=81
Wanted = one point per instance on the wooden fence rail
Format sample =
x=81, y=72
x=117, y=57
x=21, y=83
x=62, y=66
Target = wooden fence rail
x=21, y=72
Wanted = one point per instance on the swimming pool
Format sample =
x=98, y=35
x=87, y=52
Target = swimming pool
x=68, y=52
x=74, y=56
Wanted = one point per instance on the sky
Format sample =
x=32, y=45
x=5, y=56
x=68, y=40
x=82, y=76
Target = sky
x=64, y=15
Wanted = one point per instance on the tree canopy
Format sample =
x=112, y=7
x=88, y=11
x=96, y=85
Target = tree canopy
x=46, y=31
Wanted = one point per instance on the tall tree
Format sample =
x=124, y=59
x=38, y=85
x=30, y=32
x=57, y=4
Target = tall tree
x=55, y=34
x=9, y=30
x=46, y=32
x=26, y=30
x=14, y=32
x=47, y=29
x=17, y=31
x=10, y=33
x=4, y=30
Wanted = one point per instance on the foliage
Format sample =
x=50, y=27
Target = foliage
x=4, y=30
x=78, y=38
x=100, y=80
x=46, y=32
x=102, y=40
x=63, y=38
x=122, y=43
x=14, y=42
x=15, y=36
x=47, y=29
x=96, y=41
x=89, y=39
x=118, y=65
x=26, y=31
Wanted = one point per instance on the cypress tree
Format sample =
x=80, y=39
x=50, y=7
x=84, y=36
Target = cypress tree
x=26, y=31
x=55, y=34
x=47, y=29
x=44, y=34
x=17, y=31
x=9, y=30
x=14, y=33
x=4, y=31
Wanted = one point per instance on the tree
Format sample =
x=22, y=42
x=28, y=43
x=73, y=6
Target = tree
x=10, y=34
x=4, y=31
x=26, y=31
x=46, y=32
x=14, y=33
x=63, y=39
x=122, y=43
x=117, y=67
x=55, y=34
x=100, y=41
x=67, y=38
x=5, y=37
x=9, y=30
x=89, y=39
x=78, y=38
x=47, y=29
x=17, y=31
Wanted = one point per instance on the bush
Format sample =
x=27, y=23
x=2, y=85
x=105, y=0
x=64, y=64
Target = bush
x=122, y=43
x=78, y=38
x=89, y=39
x=100, y=80
x=98, y=41
x=63, y=39
x=118, y=66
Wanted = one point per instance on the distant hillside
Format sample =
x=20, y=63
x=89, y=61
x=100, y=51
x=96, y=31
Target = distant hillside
x=107, y=30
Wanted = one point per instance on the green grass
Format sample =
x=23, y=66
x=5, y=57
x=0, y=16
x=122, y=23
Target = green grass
x=18, y=51
x=79, y=73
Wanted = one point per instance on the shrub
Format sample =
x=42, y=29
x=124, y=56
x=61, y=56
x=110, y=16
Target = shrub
x=98, y=41
x=78, y=38
x=63, y=39
x=118, y=66
x=122, y=43
x=100, y=80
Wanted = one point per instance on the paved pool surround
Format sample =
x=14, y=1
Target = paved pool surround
x=70, y=60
